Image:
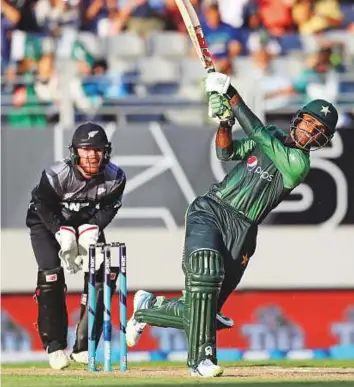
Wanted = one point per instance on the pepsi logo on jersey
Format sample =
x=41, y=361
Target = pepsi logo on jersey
x=252, y=163
x=253, y=167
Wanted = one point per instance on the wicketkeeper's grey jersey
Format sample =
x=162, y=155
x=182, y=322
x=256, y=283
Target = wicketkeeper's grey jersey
x=64, y=197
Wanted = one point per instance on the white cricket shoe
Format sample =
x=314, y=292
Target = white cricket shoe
x=207, y=369
x=58, y=360
x=135, y=328
x=80, y=357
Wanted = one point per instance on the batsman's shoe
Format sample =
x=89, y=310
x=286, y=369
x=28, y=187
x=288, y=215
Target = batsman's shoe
x=80, y=357
x=58, y=360
x=223, y=322
x=207, y=369
x=142, y=300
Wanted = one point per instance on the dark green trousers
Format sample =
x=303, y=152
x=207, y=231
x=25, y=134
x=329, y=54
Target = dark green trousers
x=212, y=224
x=218, y=244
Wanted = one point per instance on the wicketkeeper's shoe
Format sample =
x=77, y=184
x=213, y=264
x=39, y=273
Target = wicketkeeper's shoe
x=207, y=369
x=58, y=360
x=80, y=357
x=142, y=300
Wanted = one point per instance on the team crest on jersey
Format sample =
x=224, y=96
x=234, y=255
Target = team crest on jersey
x=252, y=163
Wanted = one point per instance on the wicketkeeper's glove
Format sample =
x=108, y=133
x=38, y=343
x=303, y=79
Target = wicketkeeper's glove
x=66, y=237
x=88, y=235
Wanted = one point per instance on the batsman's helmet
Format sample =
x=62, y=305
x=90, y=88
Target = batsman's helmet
x=90, y=135
x=324, y=112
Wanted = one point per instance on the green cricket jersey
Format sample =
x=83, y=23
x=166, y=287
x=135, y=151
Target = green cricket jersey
x=268, y=170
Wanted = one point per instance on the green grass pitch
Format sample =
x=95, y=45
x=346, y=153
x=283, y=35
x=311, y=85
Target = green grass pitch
x=311, y=373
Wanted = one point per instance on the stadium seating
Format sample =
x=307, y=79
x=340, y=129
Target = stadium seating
x=169, y=44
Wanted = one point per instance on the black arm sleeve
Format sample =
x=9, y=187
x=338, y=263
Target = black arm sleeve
x=45, y=203
x=109, y=206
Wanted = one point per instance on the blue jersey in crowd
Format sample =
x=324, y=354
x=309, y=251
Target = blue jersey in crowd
x=219, y=38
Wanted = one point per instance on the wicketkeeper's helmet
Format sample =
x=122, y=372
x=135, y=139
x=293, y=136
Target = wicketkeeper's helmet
x=90, y=135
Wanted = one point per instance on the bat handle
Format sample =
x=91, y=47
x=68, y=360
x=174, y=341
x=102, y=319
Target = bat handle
x=211, y=70
x=231, y=121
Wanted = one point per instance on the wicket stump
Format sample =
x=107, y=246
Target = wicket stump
x=107, y=305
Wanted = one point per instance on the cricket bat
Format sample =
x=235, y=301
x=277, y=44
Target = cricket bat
x=195, y=33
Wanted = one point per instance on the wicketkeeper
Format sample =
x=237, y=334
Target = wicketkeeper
x=221, y=225
x=73, y=203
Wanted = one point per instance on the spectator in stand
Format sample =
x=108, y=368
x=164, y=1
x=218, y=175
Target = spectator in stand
x=91, y=14
x=53, y=15
x=141, y=17
x=233, y=11
x=104, y=83
x=318, y=80
x=46, y=85
x=173, y=17
x=109, y=17
x=224, y=41
x=115, y=19
x=27, y=110
x=268, y=82
x=85, y=101
x=8, y=83
x=276, y=16
x=19, y=15
x=255, y=36
x=316, y=16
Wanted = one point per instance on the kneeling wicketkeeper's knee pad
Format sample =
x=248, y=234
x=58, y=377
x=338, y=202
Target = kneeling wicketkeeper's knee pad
x=81, y=340
x=204, y=276
x=52, y=313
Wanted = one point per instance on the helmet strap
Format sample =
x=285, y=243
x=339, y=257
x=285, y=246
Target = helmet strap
x=74, y=157
x=107, y=153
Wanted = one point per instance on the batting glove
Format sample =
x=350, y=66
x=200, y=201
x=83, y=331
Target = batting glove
x=217, y=82
x=220, y=109
x=88, y=235
x=66, y=237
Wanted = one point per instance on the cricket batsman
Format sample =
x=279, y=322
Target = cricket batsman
x=221, y=225
x=73, y=203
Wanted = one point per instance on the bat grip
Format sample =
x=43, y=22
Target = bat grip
x=231, y=121
x=211, y=70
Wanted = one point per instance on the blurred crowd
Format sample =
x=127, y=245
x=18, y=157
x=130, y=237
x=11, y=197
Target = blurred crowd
x=289, y=47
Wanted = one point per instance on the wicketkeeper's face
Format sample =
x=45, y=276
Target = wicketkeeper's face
x=90, y=160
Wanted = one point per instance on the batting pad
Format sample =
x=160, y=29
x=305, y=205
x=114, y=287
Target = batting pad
x=204, y=276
